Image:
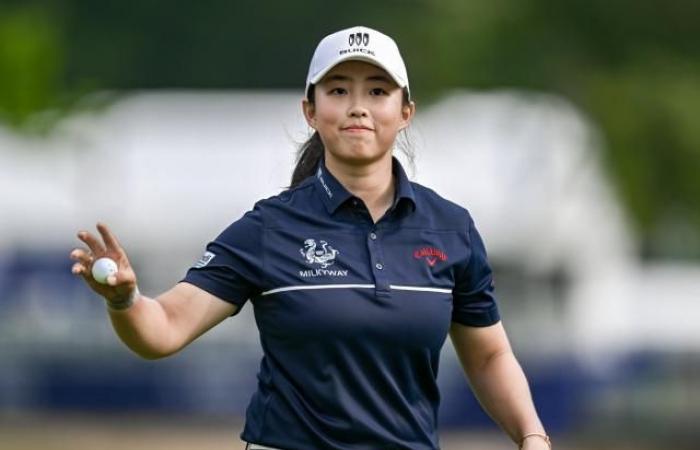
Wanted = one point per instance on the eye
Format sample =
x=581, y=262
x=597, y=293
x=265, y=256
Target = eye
x=338, y=91
x=378, y=91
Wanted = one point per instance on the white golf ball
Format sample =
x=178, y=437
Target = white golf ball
x=102, y=269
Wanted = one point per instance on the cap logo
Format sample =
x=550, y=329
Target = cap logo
x=358, y=39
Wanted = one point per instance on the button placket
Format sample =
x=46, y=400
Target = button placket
x=378, y=264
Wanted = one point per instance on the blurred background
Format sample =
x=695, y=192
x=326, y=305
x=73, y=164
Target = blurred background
x=568, y=128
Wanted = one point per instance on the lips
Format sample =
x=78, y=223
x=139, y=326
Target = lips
x=356, y=128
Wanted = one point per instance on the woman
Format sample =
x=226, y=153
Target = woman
x=356, y=276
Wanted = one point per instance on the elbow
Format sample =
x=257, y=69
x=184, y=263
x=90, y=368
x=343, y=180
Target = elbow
x=152, y=354
x=156, y=343
x=150, y=349
x=485, y=362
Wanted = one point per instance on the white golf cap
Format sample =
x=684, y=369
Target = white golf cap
x=360, y=44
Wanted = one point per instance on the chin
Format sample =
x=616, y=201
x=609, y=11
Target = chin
x=360, y=156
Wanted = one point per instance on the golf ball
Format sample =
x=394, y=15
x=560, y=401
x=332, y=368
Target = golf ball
x=102, y=269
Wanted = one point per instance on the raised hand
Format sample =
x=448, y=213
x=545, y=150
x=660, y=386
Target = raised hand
x=121, y=286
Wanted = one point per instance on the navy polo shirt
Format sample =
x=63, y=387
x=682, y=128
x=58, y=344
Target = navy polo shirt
x=352, y=314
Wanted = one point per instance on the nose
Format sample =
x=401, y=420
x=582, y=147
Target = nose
x=357, y=109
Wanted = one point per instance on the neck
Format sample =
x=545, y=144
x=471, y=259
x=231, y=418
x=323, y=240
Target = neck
x=373, y=182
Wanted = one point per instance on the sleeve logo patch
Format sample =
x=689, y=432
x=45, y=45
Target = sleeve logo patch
x=204, y=260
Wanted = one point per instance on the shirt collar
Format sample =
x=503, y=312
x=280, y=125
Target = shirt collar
x=334, y=194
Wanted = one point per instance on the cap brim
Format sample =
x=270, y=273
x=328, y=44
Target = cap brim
x=316, y=78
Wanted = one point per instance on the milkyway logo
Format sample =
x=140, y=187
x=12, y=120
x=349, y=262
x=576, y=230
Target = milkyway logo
x=323, y=255
x=431, y=255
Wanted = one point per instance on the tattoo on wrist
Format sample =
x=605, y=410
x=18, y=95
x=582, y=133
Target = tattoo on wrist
x=122, y=303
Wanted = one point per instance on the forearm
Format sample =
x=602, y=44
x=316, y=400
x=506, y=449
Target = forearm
x=144, y=328
x=502, y=389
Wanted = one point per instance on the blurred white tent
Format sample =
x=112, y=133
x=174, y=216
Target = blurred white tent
x=168, y=171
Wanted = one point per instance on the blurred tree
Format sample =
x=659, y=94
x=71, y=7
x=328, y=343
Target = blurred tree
x=649, y=115
x=31, y=63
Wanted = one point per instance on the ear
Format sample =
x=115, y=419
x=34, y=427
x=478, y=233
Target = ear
x=309, y=110
x=407, y=113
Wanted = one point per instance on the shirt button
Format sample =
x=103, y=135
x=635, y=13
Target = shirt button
x=373, y=236
x=379, y=266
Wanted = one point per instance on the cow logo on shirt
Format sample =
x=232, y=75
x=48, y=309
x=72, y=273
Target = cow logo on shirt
x=431, y=254
x=322, y=254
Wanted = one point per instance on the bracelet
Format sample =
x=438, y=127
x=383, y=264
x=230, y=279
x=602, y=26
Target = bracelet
x=539, y=435
x=125, y=303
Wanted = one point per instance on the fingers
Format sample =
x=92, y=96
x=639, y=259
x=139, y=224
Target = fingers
x=92, y=242
x=97, y=249
x=78, y=269
x=82, y=256
x=110, y=239
x=111, y=244
x=83, y=271
x=84, y=261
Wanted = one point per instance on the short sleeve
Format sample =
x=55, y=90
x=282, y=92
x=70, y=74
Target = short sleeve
x=231, y=265
x=474, y=303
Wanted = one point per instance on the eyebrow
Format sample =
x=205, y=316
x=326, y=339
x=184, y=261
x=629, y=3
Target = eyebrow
x=339, y=77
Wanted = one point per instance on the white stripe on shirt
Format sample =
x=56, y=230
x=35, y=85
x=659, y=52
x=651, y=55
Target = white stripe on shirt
x=355, y=286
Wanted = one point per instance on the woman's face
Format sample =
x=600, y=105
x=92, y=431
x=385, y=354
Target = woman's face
x=358, y=111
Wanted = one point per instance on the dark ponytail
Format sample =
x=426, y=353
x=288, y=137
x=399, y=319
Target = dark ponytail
x=308, y=157
x=311, y=151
